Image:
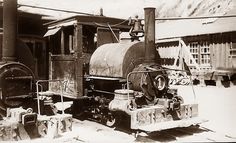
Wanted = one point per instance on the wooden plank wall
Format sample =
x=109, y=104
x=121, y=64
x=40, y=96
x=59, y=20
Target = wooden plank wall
x=221, y=45
x=233, y=54
x=168, y=52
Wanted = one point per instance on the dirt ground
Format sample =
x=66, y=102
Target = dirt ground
x=216, y=104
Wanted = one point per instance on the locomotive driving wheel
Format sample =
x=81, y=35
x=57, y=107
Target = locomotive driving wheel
x=112, y=119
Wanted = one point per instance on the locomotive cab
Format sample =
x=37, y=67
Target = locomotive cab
x=72, y=42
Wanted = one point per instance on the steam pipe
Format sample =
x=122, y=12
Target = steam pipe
x=150, y=50
x=9, y=30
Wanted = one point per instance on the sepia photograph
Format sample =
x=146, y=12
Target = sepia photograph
x=116, y=71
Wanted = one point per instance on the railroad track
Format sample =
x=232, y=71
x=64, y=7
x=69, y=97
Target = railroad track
x=188, y=134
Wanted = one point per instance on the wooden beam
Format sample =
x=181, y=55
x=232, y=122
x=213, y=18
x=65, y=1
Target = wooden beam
x=62, y=42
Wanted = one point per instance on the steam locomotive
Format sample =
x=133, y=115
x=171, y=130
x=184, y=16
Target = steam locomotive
x=118, y=80
x=105, y=78
x=16, y=67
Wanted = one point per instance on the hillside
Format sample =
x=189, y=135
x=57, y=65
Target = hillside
x=124, y=9
x=186, y=8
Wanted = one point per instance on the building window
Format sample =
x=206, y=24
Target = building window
x=205, y=53
x=194, y=50
x=200, y=52
x=233, y=50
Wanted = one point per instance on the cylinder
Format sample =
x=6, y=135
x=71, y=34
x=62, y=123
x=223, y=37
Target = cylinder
x=9, y=30
x=150, y=51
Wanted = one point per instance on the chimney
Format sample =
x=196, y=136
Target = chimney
x=9, y=30
x=101, y=12
x=150, y=50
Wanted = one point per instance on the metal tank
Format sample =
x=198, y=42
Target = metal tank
x=116, y=59
x=119, y=59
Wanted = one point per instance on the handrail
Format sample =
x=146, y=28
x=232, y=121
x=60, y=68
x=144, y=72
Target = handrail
x=63, y=84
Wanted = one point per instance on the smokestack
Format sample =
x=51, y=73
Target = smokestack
x=9, y=30
x=150, y=51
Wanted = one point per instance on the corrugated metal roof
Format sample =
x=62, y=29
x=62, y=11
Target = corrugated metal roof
x=192, y=27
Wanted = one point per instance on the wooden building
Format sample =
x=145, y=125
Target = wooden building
x=207, y=46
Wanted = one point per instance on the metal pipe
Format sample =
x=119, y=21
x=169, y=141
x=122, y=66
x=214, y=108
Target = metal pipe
x=113, y=32
x=150, y=50
x=1, y=44
x=9, y=30
x=37, y=91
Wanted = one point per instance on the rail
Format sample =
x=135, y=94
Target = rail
x=63, y=84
